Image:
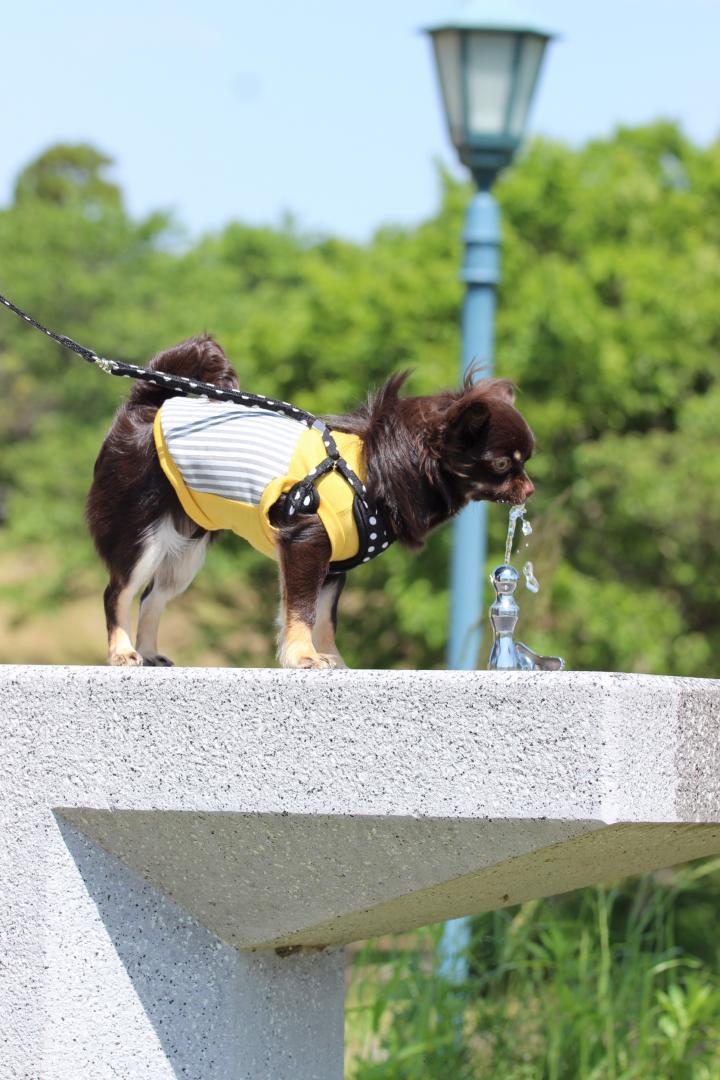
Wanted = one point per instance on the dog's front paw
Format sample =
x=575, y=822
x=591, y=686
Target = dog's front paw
x=125, y=659
x=310, y=660
x=323, y=660
x=157, y=661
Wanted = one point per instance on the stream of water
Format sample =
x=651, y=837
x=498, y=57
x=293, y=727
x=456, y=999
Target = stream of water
x=517, y=513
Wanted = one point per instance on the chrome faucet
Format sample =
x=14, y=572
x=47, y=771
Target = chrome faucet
x=506, y=654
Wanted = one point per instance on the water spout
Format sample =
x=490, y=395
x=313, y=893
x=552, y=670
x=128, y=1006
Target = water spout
x=507, y=654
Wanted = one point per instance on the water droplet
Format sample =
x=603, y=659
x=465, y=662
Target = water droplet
x=526, y=528
x=531, y=582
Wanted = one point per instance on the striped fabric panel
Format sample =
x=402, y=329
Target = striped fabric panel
x=226, y=449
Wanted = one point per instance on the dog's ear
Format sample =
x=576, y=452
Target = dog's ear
x=501, y=388
x=497, y=388
x=468, y=413
x=464, y=415
x=457, y=422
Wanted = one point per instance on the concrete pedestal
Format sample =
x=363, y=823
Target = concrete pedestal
x=184, y=852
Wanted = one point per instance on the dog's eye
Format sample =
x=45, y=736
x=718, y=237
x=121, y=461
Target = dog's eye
x=501, y=464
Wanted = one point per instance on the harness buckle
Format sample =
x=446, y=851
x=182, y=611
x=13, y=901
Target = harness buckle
x=302, y=498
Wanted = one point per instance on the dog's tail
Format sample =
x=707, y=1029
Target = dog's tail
x=198, y=358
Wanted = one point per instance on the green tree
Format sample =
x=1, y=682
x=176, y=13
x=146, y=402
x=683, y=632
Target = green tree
x=69, y=175
x=607, y=320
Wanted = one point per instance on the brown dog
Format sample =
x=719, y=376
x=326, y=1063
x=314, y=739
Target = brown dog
x=422, y=459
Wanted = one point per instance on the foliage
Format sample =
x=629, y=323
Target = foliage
x=67, y=176
x=607, y=319
x=609, y=322
x=601, y=984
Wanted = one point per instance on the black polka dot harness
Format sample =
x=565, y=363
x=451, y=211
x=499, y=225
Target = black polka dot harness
x=374, y=531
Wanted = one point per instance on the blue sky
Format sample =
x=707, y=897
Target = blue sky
x=322, y=108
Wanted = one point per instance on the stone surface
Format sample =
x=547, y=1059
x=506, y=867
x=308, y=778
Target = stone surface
x=155, y=823
x=134, y=987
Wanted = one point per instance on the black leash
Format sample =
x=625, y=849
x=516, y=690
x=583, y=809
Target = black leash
x=189, y=387
x=303, y=498
x=87, y=354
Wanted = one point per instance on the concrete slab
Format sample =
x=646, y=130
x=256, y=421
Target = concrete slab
x=156, y=823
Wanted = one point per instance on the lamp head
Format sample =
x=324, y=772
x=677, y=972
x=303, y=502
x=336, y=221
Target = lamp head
x=488, y=58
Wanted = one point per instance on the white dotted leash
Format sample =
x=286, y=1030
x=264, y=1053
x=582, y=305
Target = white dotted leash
x=303, y=498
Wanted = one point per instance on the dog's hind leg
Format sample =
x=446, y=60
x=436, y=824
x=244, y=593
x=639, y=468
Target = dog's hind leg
x=118, y=599
x=184, y=557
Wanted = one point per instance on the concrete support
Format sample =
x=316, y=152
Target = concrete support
x=110, y=978
x=184, y=853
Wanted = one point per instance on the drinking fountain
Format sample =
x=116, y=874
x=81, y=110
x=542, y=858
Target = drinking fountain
x=508, y=654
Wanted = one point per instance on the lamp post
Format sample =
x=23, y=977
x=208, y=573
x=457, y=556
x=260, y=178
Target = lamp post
x=488, y=59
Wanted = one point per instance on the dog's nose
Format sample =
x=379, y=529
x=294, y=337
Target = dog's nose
x=528, y=488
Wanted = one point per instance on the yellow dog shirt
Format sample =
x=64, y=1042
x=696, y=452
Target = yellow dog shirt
x=230, y=463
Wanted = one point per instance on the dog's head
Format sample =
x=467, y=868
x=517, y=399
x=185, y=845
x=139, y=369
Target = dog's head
x=485, y=443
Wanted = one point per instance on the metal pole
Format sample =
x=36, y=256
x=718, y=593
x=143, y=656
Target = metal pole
x=481, y=273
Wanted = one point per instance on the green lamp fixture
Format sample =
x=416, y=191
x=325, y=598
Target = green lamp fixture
x=488, y=60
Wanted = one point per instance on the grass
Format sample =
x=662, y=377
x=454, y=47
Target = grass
x=207, y=628
x=616, y=983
